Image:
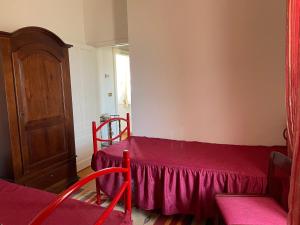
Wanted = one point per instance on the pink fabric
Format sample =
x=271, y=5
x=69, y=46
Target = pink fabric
x=251, y=210
x=19, y=205
x=183, y=177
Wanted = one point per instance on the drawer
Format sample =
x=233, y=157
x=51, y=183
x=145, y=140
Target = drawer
x=53, y=176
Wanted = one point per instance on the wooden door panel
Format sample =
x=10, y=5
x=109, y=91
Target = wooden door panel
x=41, y=88
x=52, y=142
x=40, y=75
x=52, y=176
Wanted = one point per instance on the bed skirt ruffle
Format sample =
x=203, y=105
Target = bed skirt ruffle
x=176, y=190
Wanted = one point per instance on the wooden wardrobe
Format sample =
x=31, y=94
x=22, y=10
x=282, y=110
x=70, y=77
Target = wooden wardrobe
x=36, y=132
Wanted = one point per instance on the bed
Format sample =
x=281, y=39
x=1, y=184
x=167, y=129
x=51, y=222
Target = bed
x=21, y=205
x=180, y=176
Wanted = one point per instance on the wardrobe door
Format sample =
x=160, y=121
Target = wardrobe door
x=42, y=86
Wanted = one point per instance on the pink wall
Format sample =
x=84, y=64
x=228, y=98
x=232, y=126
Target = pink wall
x=208, y=70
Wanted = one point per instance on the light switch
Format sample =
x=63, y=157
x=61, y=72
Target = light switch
x=106, y=75
x=109, y=94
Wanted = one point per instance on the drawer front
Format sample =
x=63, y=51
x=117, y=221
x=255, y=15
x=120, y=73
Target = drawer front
x=47, y=179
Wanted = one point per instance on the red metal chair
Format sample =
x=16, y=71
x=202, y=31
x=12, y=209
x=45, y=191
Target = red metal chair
x=125, y=189
x=270, y=209
x=97, y=140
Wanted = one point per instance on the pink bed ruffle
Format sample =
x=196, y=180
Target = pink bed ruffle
x=179, y=186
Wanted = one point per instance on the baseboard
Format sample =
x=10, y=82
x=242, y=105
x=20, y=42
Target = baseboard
x=84, y=163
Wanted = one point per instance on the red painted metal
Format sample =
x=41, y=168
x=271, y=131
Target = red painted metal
x=95, y=129
x=98, y=194
x=94, y=132
x=127, y=176
x=114, y=138
x=109, y=121
x=113, y=203
x=128, y=125
x=125, y=188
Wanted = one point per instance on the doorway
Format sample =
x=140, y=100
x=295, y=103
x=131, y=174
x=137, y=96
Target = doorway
x=122, y=80
x=115, y=87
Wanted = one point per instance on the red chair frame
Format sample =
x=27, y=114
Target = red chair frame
x=125, y=189
x=96, y=129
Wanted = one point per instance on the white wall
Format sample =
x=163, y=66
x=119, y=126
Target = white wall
x=105, y=22
x=208, y=70
x=86, y=102
x=65, y=18
x=107, y=84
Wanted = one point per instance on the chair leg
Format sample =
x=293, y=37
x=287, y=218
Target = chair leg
x=98, y=193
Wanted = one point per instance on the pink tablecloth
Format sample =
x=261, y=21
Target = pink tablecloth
x=183, y=177
x=19, y=205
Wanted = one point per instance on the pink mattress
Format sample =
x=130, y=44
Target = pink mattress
x=183, y=177
x=19, y=205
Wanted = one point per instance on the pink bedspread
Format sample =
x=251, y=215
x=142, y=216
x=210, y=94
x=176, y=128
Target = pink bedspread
x=18, y=205
x=183, y=177
x=245, y=210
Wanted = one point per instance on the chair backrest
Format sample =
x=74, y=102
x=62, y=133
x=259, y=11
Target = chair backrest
x=96, y=130
x=279, y=178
